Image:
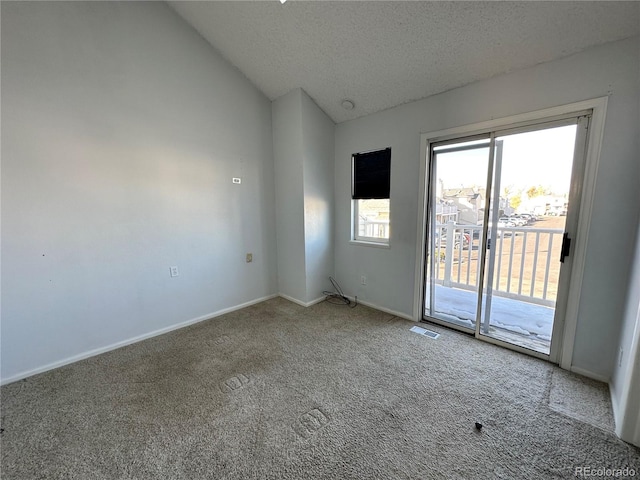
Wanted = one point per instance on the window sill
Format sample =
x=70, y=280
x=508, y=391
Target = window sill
x=369, y=244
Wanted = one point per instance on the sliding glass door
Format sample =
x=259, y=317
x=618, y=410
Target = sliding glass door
x=500, y=220
x=458, y=199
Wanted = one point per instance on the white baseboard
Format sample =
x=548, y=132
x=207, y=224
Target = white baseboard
x=366, y=304
x=589, y=374
x=300, y=302
x=129, y=341
x=615, y=410
x=317, y=300
x=383, y=309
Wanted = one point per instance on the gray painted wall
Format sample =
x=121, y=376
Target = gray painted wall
x=303, y=143
x=318, y=144
x=625, y=382
x=122, y=130
x=611, y=69
x=289, y=184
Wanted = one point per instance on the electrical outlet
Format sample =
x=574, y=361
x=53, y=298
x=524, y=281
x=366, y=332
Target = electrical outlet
x=249, y=257
x=173, y=271
x=363, y=280
x=237, y=180
x=620, y=355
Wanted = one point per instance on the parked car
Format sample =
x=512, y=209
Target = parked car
x=528, y=217
x=557, y=212
x=507, y=222
x=460, y=237
x=501, y=225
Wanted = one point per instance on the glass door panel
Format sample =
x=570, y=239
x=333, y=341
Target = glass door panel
x=530, y=200
x=457, y=201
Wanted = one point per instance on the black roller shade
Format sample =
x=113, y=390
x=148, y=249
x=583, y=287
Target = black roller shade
x=371, y=175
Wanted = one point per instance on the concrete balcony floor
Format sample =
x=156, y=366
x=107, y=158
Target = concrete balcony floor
x=524, y=324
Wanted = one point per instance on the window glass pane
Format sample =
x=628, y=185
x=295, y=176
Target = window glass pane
x=372, y=219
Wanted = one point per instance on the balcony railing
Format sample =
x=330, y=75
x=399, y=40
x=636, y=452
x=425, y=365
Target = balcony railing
x=374, y=228
x=526, y=263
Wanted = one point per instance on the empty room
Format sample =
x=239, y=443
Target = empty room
x=290, y=239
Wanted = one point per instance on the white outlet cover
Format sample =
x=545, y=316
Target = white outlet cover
x=237, y=180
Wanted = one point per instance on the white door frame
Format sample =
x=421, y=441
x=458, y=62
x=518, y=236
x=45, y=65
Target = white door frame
x=596, y=132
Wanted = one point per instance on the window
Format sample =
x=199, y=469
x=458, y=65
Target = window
x=371, y=181
x=371, y=220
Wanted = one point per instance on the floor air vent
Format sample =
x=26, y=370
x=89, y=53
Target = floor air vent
x=424, y=332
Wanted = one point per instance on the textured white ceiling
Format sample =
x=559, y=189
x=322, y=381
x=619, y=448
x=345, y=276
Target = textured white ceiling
x=384, y=53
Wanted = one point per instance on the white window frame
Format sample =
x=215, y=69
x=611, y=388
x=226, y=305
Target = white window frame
x=363, y=240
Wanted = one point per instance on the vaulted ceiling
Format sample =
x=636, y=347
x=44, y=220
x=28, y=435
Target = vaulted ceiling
x=380, y=54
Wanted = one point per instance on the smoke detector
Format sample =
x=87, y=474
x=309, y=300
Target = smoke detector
x=348, y=104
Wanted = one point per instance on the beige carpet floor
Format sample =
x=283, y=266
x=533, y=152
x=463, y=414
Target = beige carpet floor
x=277, y=391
